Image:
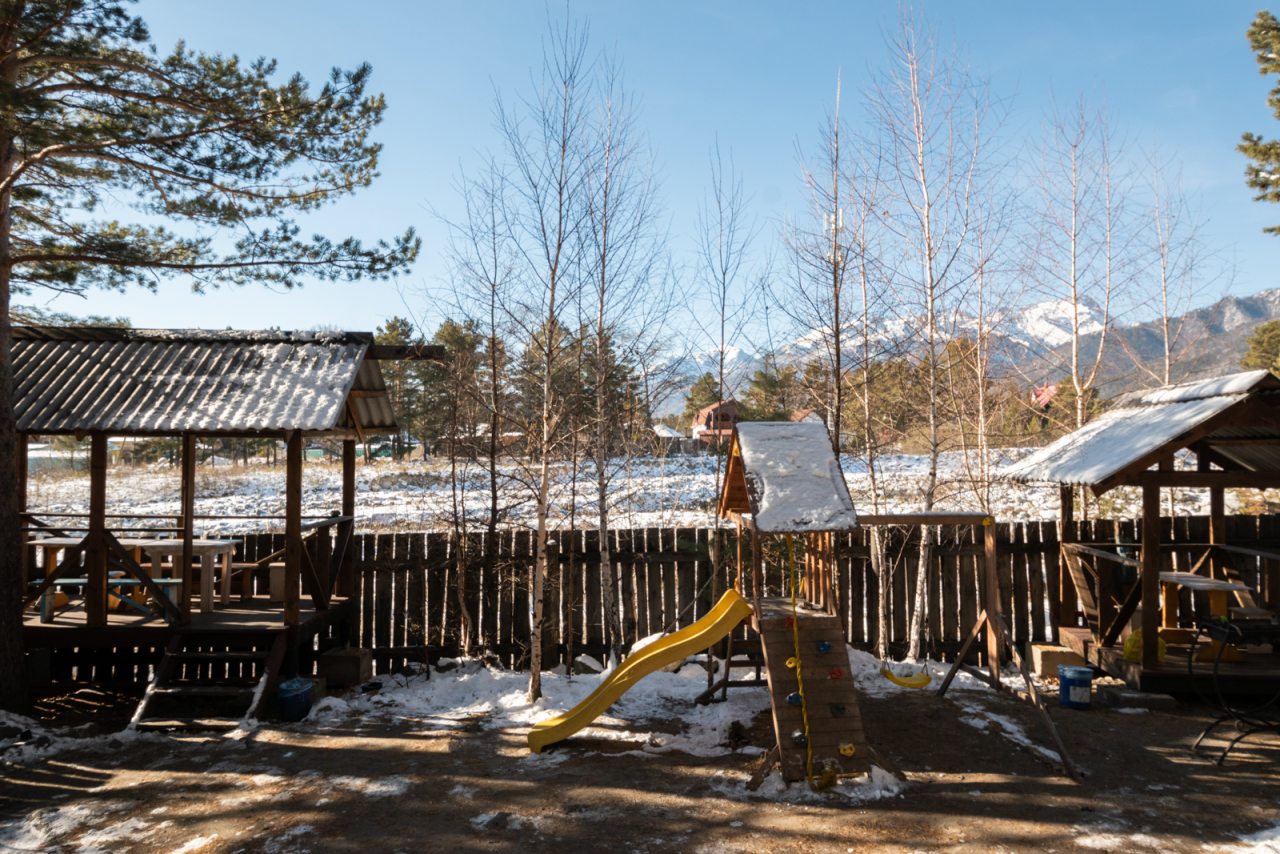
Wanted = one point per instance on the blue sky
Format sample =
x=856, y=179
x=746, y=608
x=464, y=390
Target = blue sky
x=1176, y=77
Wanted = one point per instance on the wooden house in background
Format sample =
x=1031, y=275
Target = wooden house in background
x=714, y=423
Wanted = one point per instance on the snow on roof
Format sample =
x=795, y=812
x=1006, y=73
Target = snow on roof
x=174, y=381
x=1142, y=424
x=793, y=477
x=664, y=431
x=1240, y=383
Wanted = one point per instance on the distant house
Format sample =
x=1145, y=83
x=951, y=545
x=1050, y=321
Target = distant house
x=713, y=425
x=669, y=440
x=1042, y=398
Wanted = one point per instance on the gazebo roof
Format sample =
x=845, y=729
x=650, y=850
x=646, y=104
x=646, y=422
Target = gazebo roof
x=168, y=382
x=786, y=475
x=1230, y=419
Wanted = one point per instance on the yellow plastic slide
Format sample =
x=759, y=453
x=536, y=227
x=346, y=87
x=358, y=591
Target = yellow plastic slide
x=722, y=619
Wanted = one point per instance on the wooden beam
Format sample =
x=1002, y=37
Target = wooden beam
x=21, y=475
x=186, y=521
x=95, y=597
x=292, y=527
x=1151, y=560
x=1204, y=452
x=1208, y=479
x=1079, y=548
x=940, y=517
x=1066, y=615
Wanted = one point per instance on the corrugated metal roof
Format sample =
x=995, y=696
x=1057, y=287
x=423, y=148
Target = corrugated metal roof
x=163, y=382
x=794, y=478
x=1144, y=423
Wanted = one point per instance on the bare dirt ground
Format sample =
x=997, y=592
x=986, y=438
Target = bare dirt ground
x=413, y=785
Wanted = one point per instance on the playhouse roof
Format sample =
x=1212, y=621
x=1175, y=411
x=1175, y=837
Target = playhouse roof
x=1145, y=426
x=167, y=382
x=786, y=475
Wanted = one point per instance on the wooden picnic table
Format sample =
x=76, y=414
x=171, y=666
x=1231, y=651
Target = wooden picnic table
x=1216, y=588
x=212, y=554
x=50, y=547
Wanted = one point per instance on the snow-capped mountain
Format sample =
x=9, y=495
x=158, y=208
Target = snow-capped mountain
x=1032, y=339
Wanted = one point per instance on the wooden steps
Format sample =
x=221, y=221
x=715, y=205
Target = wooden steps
x=830, y=694
x=211, y=679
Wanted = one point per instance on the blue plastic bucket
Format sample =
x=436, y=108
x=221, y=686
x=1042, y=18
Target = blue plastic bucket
x=293, y=698
x=1075, y=686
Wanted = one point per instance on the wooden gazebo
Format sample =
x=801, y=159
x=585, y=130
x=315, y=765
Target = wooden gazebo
x=97, y=383
x=1227, y=429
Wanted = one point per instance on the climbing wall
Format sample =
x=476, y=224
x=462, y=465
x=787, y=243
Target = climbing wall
x=835, y=725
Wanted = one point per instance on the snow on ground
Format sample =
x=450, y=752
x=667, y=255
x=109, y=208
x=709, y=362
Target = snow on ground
x=1263, y=842
x=473, y=695
x=644, y=492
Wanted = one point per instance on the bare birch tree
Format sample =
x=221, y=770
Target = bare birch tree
x=817, y=303
x=544, y=135
x=483, y=270
x=1083, y=243
x=1177, y=270
x=724, y=237
x=626, y=299
x=930, y=117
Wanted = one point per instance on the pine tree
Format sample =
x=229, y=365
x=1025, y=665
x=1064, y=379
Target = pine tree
x=1263, y=172
x=402, y=385
x=1263, y=347
x=773, y=393
x=97, y=125
x=703, y=393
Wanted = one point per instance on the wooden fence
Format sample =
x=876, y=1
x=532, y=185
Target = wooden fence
x=415, y=591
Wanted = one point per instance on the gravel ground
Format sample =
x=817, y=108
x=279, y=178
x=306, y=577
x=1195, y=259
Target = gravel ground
x=403, y=784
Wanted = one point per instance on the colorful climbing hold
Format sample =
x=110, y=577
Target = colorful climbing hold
x=847, y=749
x=824, y=647
x=835, y=673
x=792, y=663
x=837, y=710
x=791, y=622
x=794, y=698
x=799, y=739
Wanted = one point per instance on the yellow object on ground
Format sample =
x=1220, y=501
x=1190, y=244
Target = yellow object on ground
x=731, y=610
x=919, y=680
x=1133, y=648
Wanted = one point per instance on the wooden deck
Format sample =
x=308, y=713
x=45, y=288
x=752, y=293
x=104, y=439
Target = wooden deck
x=256, y=614
x=1258, y=673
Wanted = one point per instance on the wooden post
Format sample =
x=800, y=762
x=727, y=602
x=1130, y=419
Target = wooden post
x=1217, y=529
x=346, y=585
x=1067, y=534
x=991, y=581
x=1150, y=574
x=757, y=566
x=187, y=522
x=739, y=582
x=22, y=506
x=95, y=597
x=292, y=527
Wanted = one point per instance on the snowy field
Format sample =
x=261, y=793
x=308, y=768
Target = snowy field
x=644, y=492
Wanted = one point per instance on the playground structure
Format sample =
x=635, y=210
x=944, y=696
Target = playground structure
x=783, y=483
